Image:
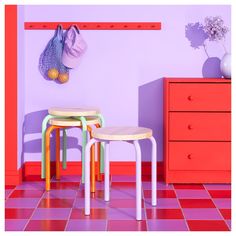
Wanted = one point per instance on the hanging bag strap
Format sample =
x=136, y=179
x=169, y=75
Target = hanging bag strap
x=59, y=33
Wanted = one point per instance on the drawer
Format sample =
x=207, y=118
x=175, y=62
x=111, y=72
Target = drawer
x=203, y=126
x=200, y=156
x=199, y=97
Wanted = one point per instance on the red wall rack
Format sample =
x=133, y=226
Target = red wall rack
x=95, y=25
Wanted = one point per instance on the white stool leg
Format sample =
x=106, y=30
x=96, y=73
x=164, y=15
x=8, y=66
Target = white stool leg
x=87, y=176
x=154, y=171
x=107, y=173
x=138, y=181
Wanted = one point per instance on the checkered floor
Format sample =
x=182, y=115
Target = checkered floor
x=179, y=207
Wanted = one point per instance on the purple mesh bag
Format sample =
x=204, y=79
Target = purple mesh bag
x=51, y=56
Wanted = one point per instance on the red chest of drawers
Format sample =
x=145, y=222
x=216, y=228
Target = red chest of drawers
x=197, y=130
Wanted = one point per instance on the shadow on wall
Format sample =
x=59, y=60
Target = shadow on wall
x=196, y=35
x=150, y=115
x=33, y=125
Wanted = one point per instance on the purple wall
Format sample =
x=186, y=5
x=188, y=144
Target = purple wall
x=122, y=71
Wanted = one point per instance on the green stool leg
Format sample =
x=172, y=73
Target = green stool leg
x=102, y=123
x=64, y=157
x=44, y=128
x=84, y=141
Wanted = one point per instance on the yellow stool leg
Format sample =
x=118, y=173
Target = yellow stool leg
x=99, y=156
x=57, y=154
x=47, y=156
x=92, y=158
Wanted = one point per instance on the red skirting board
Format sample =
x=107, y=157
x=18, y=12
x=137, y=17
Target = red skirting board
x=197, y=130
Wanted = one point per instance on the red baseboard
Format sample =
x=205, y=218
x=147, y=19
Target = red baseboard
x=13, y=177
x=31, y=170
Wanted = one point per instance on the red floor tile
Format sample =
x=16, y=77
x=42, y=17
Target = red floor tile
x=46, y=225
x=207, y=225
x=123, y=184
x=164, y=214
x=95, y=214
x=220, y=193
x=160, y=194
x=65, y=185
x=26, y=194
x=123, y=203
x=188, y=186
x=10, y=186
x=56, y=203
x=18, y=213
x=196, y=203
x=126, y=225
x=226, y=213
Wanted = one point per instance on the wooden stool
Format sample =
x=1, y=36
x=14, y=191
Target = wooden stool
x=130, y=135
x=77, y=113
x=57, y=124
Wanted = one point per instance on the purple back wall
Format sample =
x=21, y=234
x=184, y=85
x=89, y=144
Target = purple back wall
x=121, y=73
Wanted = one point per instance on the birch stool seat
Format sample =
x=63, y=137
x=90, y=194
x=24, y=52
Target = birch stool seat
x=62, y=123
x=131, y=135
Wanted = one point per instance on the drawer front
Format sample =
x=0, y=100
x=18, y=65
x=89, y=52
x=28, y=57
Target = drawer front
x=199, y=156
x=200, y=126
x=199, y=97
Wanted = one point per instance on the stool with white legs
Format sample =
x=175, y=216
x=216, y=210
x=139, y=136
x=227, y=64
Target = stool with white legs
x=130, y=135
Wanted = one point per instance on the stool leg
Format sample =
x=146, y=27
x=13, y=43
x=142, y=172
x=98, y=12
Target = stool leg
x=44, y=128
x=99, y=157
x=102, y=145
x=87, y=176
x=47, y=157
x=154, y=171
x=107, y=172
x=57, y=154
x=92, y=165
x=138, y=181
x=64, y=155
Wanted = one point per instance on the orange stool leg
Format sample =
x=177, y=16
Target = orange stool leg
x=99, y=157
x=92, y=167
x=47, y=156
x=57, y=154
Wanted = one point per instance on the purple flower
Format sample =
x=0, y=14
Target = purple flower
x=215, y=29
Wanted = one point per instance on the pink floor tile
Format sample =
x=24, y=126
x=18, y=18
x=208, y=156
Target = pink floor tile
x=123, y=214
x=123, y=203
x=167, y=225
x=95, y=214
x=163, y=203
x=8, y=192
x=68, y=178
x=56, y=203
x=51, y=214
x=123, y=178
x=126, y=225
x=22, y=202
x=61, y=193
x=94, y=203
x=202, y=214
x=224, y=203
x=218, y=186
x=46, y=225
x=192, y=194
x=31, y=186
x=15, y=225
x=228, y=222
x=123, y=185
x=159, y=185
x=86, y=225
